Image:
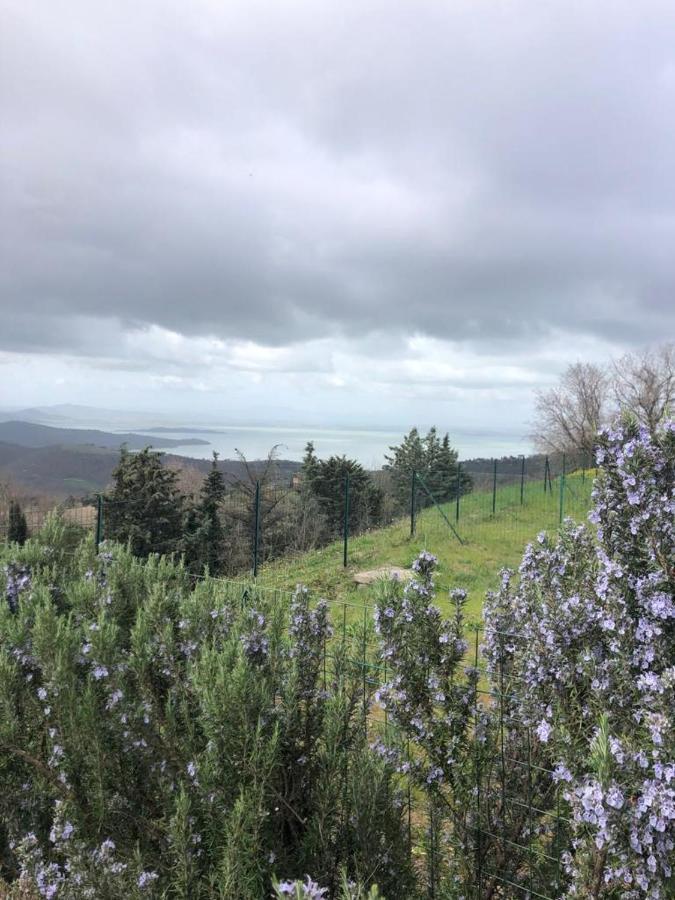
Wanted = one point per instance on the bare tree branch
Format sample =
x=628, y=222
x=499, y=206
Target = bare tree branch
x=569, y=417
x=644, y=384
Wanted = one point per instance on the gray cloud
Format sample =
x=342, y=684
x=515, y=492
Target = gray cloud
x=281, y=173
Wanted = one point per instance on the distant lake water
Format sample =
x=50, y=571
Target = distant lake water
x=367, y=446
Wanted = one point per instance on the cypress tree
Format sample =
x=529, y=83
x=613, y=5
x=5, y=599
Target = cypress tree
x=213, y=535
x=145, y=508
x=310, y=464
x=204, y=531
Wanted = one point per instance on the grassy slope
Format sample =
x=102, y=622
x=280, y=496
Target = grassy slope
x=490, y=543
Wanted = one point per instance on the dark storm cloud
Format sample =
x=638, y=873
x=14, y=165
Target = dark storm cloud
x=282, y=172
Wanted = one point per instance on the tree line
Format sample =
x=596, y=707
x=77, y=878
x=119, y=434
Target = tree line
x=215, y=527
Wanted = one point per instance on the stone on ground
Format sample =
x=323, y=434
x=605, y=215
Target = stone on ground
x=363, y=579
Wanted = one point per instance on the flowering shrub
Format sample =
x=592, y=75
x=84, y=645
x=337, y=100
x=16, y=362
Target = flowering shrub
x=431, y=696
x=83, y=873
x=310, y=890
x=425, y=698
x=566, y=753
x=161, y=738
x=587, y=639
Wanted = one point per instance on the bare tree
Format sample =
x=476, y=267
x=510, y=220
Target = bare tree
x=569, y=416
x=240, y=516
x=644, y=383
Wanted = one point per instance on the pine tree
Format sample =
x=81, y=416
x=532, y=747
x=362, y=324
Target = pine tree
x=434, y=460
x=17, y=531
x=145, y=508
x=211, y=527
x=325, y=481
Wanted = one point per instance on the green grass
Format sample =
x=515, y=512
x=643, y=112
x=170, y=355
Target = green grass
x=489, y=543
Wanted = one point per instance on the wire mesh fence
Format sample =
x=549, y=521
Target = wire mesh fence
x=263, y=521
x=515, y=497
x=82, y=514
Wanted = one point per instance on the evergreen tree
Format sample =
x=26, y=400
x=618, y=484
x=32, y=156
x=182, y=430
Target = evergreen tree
x=17, y=531
x=433, y=459
x=205, y=535
x=145, y=508
x=325, y=481
x=408, y=456
x=310, y=463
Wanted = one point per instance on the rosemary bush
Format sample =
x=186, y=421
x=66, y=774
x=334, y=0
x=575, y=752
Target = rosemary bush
x=557, y=774
x=161, y=737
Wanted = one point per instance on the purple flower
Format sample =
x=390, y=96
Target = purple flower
x=544, y=730
x=145, y=879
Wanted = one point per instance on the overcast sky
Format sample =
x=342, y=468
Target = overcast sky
x=340, y=212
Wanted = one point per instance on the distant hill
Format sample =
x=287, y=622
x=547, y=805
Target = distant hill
x=62, y=472
x=28, y=434
x=69, y=414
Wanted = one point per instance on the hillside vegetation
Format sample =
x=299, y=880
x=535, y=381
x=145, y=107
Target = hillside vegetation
x=489, y=542
x=168, y=735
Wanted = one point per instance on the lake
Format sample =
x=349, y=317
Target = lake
x=367, y=446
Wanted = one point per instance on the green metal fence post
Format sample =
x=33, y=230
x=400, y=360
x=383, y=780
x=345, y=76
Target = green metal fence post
x=459, y=490
x=494, y=487
x=546, y=473
x=562, y=489
x=522, y=480
x=412, y=502
x=256, y=529
x=345, y=529
x=99, y=520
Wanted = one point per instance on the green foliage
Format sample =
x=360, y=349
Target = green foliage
x=17, y=530
x=600, y=758
x=433, y=459
x=311, y=890
x=325, y=480
x=204, y=534
x=145, y=507
x=204, y=730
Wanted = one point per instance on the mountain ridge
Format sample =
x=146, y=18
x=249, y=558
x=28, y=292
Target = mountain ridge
x=33, y=435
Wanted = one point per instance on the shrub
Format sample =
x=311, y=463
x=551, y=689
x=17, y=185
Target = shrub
x=205, y=733
x=573, y=747
x=594, y=661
